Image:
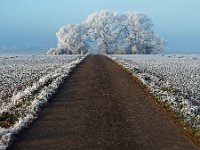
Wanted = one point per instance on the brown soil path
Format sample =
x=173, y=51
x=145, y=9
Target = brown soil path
x=100, y=107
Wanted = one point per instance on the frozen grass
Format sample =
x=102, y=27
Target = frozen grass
x=173, y=79
x=28, y=82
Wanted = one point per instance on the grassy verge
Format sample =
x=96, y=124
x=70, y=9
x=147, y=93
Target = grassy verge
x=187, y=129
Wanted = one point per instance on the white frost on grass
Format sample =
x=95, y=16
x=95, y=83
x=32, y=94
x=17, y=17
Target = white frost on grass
x=19, y=72
x=26, y=104
x=173, y=79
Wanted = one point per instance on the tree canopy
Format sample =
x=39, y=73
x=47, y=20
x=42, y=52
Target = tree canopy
x=111, y=33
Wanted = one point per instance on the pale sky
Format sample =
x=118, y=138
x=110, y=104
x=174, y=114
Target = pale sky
x=34, y=22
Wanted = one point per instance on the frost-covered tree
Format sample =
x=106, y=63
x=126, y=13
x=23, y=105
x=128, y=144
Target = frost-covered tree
x=107, y=32
x=71, y=39
x=99, y=25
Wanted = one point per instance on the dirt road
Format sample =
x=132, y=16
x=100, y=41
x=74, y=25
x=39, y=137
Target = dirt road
x=100, y=107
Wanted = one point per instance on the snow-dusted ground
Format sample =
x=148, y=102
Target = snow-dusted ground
x=26, y=83
x=174, y=79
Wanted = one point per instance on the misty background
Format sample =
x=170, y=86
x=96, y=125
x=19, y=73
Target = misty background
x=29, y=27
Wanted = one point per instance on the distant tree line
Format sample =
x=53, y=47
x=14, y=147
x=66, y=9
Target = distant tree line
x=111, y=33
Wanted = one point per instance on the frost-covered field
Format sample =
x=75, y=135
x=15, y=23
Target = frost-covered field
x=26, y=83
x=174, y=79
